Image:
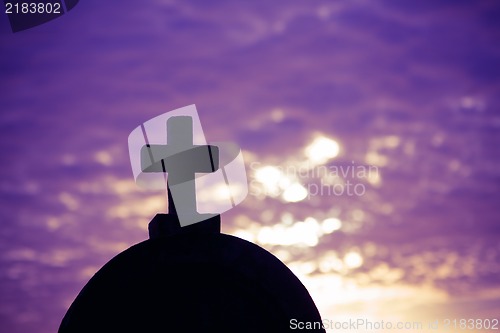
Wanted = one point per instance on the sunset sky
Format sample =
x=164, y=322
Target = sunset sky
x=398, y=101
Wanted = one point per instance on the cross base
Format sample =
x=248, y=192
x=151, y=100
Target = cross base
x=164, y=225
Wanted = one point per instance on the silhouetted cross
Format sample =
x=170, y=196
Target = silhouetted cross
x=181, y=159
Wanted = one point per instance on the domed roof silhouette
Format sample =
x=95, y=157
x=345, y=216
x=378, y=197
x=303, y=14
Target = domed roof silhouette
x=191, y=279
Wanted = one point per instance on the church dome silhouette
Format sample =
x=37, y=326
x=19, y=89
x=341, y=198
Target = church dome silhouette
x=188, y=277
x=191, y=279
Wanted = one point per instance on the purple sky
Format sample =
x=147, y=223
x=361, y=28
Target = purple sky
x=409, y=87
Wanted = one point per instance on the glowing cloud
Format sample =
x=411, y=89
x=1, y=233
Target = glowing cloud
x=321, y=150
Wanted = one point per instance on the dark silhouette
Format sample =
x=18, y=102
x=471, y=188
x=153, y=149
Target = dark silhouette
x=190, y=279
x=181, y=159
